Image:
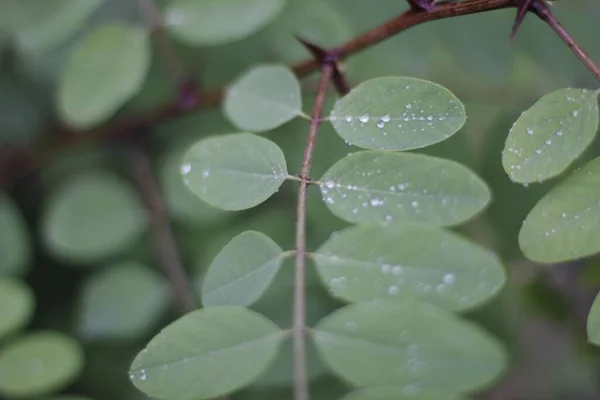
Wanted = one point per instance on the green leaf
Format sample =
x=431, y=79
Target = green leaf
x=242, y=271
x=181, y=202
x=382, y=343
x=381, y=187
x=399, y=262
x=14, y=239
x=234, y=171
x=216, y=22
x=206, y=354
x=45, y=25
x=263, y=98
x=563, y=225
x=413, y=391
x=549, y=136
x=67, y=398
x=107, y=69
x=38, y=364
x=16, y=305
x=92, y=216
x=593, y=323
x=396, y=113
x=122, y=301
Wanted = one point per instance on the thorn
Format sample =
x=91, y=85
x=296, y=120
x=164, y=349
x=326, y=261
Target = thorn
x=521, y=12
x=326, y=57
x=422, y=5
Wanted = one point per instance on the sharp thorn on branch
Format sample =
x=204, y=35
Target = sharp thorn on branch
x=421, y=5
x=523, y=7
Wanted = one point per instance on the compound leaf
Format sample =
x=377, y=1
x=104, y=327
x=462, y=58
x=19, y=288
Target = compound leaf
x=398, y=262
x=16, y=305
x=381, y=343
x=564, y=224
x=107, y=68
x=216, y=22
x=234, y=171
x=549, y=136
x=242, y=271
x=397, y=113
x=263, y=98
x=122, y=301
x=206, y=354
x=382, y=187
x=38, y=364
x=92, y=216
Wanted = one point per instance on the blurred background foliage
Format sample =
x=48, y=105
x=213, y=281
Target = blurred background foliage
x=76, y=251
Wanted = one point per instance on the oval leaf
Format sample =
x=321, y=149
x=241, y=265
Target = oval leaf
x=14, y=239
x=103, y=72
x=264, y=98
x=215, y=22
x=413, y=391
x=234, y=171
x=593, y=322
x=39, y=364
x=378, y=187
x=380, y=343
x=431, y=265
x=549, y=136
x=563, y=225
x=242, y=271
x=206, y=354
x=92, y=216
x=396, y=113
x=122, y=301
x=16, y=305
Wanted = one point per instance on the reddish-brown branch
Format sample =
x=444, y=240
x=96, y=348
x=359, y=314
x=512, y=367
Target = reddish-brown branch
x=121, y=128
x=299, y=329
x=163, y=237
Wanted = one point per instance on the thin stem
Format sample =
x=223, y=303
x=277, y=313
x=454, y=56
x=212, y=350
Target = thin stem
x=163, y=237
x=542, y=10
x=163, y=44
x=301, y=391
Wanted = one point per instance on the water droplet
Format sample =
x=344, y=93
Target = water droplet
x=559, y=133
x=348, y=118
x=415, y=204
x=143, y=375
x=330, y=184
x=380, y=124
x=449, y=279
x=186, y=168
x=530, y=131
x=376, y=202
x=363, y=118
x=575, y=113
x=386, y=118
x=397, y=271
x=548, y=142
x=408, y=106
x=393, y=290
x=206, y=173
x=386, y=269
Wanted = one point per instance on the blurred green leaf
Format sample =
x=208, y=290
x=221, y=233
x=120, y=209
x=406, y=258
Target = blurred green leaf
x=382, y=187
x=216, y=22
x=122, y=301
x=263, y=98
x=563, y=225
x=17, y=305
x=14, y=239
x=593, y=323
x=382, y=343
x=234, y=171
x=242, y=271
x=39, y=364
x=550, y=135
x=91, y=216
x=206, y=354
x=396, y=113
x=67, y=398
x=40, y=26
x=399, y=262
x=106, y=69
x=409, y=392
